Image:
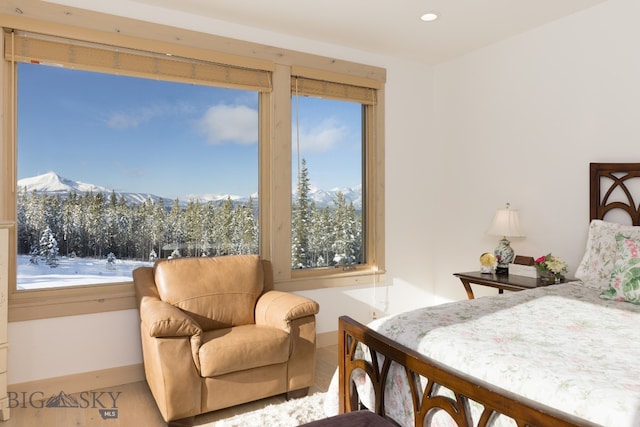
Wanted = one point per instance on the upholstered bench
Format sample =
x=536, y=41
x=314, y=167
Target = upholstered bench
x=353, y=419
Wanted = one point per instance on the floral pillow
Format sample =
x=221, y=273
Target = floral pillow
x=597, y=264
x=625, y=276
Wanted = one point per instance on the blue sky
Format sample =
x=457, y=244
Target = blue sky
x=169, y=139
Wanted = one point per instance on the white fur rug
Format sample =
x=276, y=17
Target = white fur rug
x=291, y=413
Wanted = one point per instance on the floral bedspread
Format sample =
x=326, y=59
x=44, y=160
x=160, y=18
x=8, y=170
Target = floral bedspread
x=561, y=345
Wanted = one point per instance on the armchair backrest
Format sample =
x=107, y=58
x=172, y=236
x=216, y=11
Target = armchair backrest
x=217, y=292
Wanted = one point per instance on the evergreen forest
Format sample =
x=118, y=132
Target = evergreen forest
x=99, y=225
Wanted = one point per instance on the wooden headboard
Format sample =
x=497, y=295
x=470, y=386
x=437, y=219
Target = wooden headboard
x=612, y=187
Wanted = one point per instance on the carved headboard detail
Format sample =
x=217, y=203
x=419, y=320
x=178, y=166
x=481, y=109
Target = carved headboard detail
x=612, y=187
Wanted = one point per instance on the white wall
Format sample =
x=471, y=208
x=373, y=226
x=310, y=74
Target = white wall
x=515, y=122
x=73, y=344
x=521, y=121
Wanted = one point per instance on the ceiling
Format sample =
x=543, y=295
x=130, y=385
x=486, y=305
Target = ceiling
x=387, y=27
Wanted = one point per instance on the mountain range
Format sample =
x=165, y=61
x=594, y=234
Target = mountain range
x=53, y=184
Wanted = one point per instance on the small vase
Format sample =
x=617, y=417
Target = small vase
x=547, y=276
x=557, y=278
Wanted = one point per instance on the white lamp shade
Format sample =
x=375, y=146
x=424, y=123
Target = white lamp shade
x=506, y=223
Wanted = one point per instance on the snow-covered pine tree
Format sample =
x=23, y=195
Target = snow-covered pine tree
x=176, y=224
x=225, y=228
x=34, y=255
x=209, y=229
x=248, y=229
x=193, y=226
x=111, y=261
x=300, y=221
x=159, y=229
x=345, y=244
x=49, y=248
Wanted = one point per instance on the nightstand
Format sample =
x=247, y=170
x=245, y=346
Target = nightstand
x=500, y=281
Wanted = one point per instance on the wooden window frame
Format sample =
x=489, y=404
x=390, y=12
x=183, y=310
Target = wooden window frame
x=274, y=155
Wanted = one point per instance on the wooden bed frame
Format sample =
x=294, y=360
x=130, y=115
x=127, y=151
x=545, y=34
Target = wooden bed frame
x=610, y=182
x=494, y=399
x=609, y=186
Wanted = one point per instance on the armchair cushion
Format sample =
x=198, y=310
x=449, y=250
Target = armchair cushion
x=242, y=347
x=217, y=292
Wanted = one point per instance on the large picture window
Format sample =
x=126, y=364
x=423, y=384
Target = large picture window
x=115, y=172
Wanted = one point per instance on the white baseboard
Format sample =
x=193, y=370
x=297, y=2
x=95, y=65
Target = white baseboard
x=84, y=381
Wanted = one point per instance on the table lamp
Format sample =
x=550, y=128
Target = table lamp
x=506, y=224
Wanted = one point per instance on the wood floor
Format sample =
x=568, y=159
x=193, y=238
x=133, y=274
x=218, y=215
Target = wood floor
x=136, y=407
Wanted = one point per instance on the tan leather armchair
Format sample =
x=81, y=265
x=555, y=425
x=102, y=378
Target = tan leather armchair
x=215, y=334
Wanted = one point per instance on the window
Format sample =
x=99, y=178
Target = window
x=136, y=169
x=332, y=141
x=167, y=150
x=327, y=152
x=240, y=74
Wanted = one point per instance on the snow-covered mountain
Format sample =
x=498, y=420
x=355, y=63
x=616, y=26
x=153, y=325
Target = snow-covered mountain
x=54, y=184
x=326, y=197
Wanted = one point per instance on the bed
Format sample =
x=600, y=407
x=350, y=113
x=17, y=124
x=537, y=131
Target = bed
x=562, y=355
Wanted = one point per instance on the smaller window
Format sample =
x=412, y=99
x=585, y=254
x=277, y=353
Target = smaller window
x=327, y=227
x=330, y=143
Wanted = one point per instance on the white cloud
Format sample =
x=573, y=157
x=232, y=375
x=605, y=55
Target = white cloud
x=321, y=138
x=121, y=120
x=230, y=123
x=133, y=119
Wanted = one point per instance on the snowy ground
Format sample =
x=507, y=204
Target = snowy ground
x=73, y=272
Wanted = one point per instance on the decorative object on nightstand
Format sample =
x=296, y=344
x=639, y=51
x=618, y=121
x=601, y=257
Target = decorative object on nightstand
x=551, y=267
x=506, y=223
x=524, y=266
x=487, y=262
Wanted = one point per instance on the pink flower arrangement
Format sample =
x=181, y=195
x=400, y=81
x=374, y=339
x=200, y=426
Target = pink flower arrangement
x=551, y=264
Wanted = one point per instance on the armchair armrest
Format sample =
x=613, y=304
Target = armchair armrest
x=161, y=319
x=277, y=308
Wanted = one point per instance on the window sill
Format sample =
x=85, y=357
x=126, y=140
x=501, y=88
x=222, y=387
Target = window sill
x=43, y=304
x=306, y=280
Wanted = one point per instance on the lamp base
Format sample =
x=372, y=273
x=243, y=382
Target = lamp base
x=504, y=254
x=502, y=270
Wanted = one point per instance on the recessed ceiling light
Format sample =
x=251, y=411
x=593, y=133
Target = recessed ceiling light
x=429, y=16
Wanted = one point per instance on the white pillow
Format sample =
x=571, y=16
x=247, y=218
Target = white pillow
x=597, y=264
